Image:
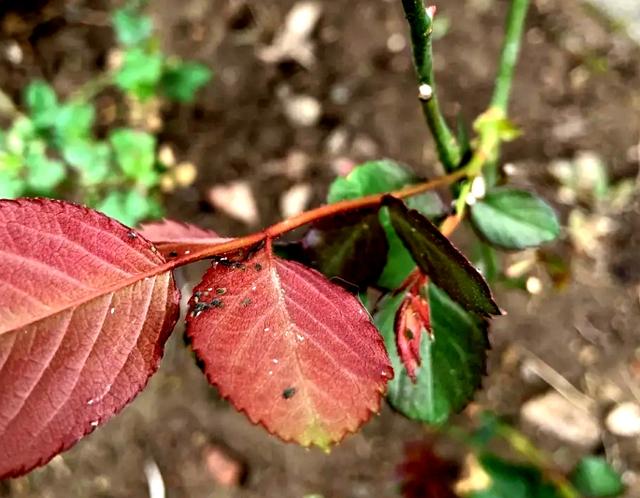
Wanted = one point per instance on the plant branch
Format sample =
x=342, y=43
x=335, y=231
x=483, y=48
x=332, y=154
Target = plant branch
x=509, y=56
x=421, y=24
x=309, y=217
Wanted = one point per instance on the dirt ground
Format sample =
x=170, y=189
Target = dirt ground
x=577, y=89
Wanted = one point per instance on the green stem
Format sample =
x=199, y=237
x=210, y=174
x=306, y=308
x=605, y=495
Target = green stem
x=510, y=50
x=487, y=152
x=420, y=23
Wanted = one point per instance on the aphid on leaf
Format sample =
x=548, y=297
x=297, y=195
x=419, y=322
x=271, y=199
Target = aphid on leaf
x=289, y=392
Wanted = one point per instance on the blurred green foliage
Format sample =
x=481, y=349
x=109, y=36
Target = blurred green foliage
x=52, y=149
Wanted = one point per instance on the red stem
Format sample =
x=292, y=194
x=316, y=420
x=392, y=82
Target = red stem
x=307, y=217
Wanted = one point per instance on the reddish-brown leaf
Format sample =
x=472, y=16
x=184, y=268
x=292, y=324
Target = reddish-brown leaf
x=294, y=351
x=85, y=310
x=173, y=238
x=411, y=320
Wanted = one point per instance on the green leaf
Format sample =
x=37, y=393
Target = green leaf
x=182, y=80
x=452, y=362
x=373, y=177
x=22, y=131
x=43, y=173
x=514, y=219
x=74, y=121
x=131, y=27
x=135, y=153
x=510, y=480
x=41, y=101
x=10, y=163
x=486, y=260
x=377, y=177
x=593, y=477
x=91, y=159
x=351, y=246
x=140, y=72
x=130, y=208
x=440, y=260
x=11, y=186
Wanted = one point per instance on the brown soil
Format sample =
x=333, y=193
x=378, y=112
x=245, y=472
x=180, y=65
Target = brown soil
x=562, y=101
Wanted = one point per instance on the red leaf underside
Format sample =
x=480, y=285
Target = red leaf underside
x=174, y=238
x=297, y=353
x=84, y=315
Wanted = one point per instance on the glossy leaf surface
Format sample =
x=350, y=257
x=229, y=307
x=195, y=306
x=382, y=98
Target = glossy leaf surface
x=85, y=310
x=351, y=246
x=297, y=353
x=438, y=258
x=514, y=219
x=453, y=359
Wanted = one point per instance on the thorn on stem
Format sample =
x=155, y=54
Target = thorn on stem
x=425, y=92
x=431, y=11
x=478, y=187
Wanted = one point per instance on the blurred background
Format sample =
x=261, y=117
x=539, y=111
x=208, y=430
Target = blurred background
x=233, y=114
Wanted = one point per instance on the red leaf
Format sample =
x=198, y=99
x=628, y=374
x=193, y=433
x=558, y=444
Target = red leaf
x=173, y=238
x=297, y=353
x=85, y=310
x=412, y=318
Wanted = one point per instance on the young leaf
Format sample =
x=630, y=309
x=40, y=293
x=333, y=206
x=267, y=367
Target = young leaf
x=510, y=480
x=377, y=177
x=41, y=101
x=181, y=81
x=130, y=208
x=140, y=72
x=593, y=477
x=453, y=359
x=514, y=219
x=131, y=27
x=351, y=246
x=91, y=159
x=135, y=152
x=440, y=260
x=43, y=173
x=412, y=319
x=295, y=352
x=85, y=310
x=73, y=121
x=173, y=238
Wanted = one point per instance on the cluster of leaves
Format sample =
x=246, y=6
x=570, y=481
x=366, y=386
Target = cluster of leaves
x=52, y=149
x=424, y=474
x=146, y=71
x=87, y=304
x=446, y=363
x=291, y=348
